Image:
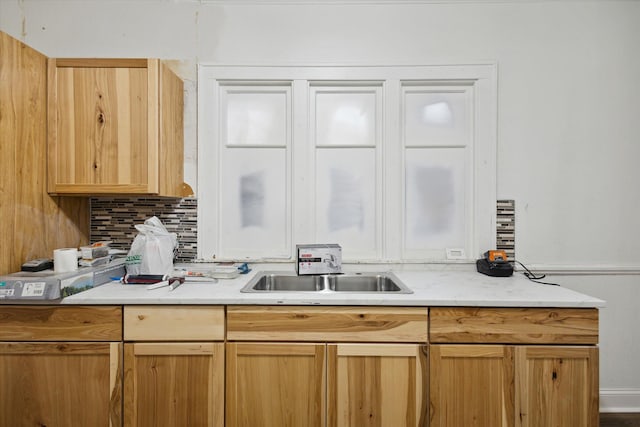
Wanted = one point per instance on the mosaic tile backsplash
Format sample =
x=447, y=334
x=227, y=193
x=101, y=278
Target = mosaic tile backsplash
x=115, y=219
x=506, y=227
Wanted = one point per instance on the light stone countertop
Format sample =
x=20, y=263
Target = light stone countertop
x=460, y=286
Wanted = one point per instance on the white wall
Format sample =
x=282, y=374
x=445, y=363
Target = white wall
x=569, y=115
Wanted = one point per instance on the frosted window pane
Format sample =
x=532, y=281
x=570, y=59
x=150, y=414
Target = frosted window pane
x=435, y=199
x=436, y=118
x=252, y=194
x=254, y=203
x=346, y=199
x=345, y=118
x=256, y=118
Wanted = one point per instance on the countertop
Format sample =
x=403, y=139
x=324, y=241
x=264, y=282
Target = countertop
x=455, y=287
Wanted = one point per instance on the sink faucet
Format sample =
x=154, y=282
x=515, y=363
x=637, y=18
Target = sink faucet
x=330, y=260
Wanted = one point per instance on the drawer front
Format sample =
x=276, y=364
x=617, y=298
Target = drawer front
x=514, y=325
x=353, y=324
x=173, y=323
x=60, y=323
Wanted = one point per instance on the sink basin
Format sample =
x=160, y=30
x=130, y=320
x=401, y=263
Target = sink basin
x=282, y=282
x=352, y=282
x=364, y=283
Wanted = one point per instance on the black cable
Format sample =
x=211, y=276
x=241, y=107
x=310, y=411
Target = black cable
x=531, y=276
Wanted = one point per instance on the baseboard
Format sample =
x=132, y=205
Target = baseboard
x=620, y=400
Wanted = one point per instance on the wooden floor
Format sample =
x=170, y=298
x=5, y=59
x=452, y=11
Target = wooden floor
x=620, y=420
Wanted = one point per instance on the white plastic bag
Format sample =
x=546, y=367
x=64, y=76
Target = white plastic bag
x=152, y=251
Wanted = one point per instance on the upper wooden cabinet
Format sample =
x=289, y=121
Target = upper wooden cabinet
x=115, y=126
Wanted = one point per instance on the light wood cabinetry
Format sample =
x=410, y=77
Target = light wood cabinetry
x=53, y=369
x=377, y=385
x=557, y=385
x=328, y=323
x=513, y=325
x=289, y=366
x=174, y=384
x=515, y=383
x=471, y=385
x=173, y=323
x=115, y=126
x=370, y=380
x=169, y=381
x=276, y=384
x=33, y=223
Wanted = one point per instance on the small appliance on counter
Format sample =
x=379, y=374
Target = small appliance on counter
x=48, y=285
x=495, y=264
x=319, y=259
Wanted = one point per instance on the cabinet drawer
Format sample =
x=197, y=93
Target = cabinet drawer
x=354, y=324
x=173, y=323
x=514, y=325
x=60, y=323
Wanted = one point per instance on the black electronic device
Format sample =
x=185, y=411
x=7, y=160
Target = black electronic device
x=39, y=264
x=494, y=263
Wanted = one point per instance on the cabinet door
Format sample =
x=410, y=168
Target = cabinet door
x=60, y=384
x=471, y=385
x=557, y=386
x=171, y=384
x=115, y=126
x=377, y=385
x=98, y=119
x=276, y=384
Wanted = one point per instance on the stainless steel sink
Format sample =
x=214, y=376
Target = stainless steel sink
x=364, y=283
x=351, y=282
x=274, y=282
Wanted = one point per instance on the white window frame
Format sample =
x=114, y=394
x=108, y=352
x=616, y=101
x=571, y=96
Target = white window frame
x=482, y=168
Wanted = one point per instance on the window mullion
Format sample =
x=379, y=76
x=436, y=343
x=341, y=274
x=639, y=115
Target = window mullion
x=392, y=193
x=302, y=200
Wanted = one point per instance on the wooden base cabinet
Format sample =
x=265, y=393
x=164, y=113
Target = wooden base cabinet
x=544, y=374
x=521, y=386
x=377, y=385
x=60, y=366
x=557, y=386
x=283, y=384
x=279, y=374
x=173, y=384
x=174, y=366
x=471, y=385
x=276, y=384
x=60, y=384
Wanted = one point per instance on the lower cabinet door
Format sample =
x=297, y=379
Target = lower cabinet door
x=377, y=385
x=174, y=384
x=471, y=386
x=275, y=384
x=557, y=386
x=521, y=386
x=60, y=384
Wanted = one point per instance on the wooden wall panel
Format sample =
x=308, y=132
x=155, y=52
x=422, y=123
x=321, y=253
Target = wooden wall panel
x=33, y=223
